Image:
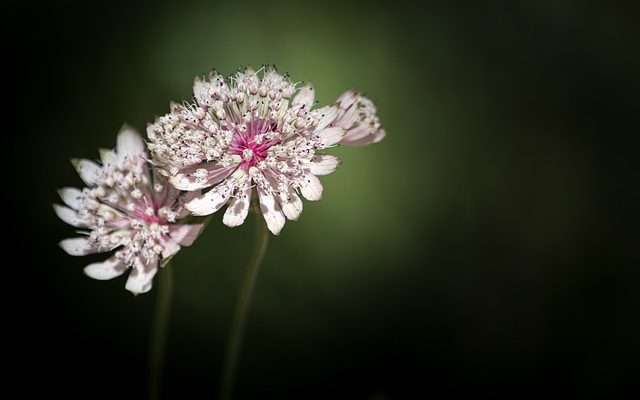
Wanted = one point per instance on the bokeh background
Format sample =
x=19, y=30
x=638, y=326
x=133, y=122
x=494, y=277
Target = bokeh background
x=487, y=247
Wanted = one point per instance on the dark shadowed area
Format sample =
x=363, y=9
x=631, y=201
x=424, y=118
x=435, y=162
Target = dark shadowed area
x=487, y=247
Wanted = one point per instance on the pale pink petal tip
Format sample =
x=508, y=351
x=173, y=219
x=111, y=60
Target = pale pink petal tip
x=271, y=211
x=69, y=216
x=185, y=234
x=105, y=270
x=238, y=208
x=305, y=97
x=88, y=170
x=72, y=197
x=140, y=278
x=324, y=164
x=78, y=246
x=129, y=143
x=311, y=188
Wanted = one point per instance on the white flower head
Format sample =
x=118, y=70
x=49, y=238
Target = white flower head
x=129, y=208
x=256, y=129
x=357, y=114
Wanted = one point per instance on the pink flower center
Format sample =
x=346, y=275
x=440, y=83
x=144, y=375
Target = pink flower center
x=147, y=211
x=252, y=141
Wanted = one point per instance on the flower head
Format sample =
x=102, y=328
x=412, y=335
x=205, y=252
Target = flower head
x=257, y=129
x=126, y=207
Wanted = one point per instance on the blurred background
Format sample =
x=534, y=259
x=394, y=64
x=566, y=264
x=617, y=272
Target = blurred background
x=487, y=247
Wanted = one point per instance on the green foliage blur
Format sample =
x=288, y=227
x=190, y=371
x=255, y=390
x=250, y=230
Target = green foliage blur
x=489, y=243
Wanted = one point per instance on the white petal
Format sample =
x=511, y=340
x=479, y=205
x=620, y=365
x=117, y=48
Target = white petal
x=108, y=269
x=306, y=95
x=170, y=248
x=185, y=234
x=71, y=197
x=78, y=246
x=291, y=205
x=187, y=181
x=370, y=138
x=238, y=208
x=129, y=144
x=379, y=135
x=347, y=98
x=348, y=117
x=202, y=87
x=69, y=216
x=326, y=115
x=108, y=157
x=323, y=164
x=211, y=202
x=140, y=278
x=331, y=136
x=187, y=197
x=271, y=211
x=88, y=170
x=311, y=187
x=358, y=132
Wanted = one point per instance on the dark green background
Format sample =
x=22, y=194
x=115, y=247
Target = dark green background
x=488, y=246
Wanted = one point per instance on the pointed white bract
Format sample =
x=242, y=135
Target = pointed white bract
x=358, y=115
x=127, y=208
x=256, y=129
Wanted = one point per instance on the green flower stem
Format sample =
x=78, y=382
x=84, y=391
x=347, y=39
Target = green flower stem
x=159, y=330
x=238, y=324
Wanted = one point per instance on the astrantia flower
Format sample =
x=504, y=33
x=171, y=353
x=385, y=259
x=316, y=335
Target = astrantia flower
x=253, y=131
x=128, y=208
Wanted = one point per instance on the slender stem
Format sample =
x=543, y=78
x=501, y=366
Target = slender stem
x=239, y=321
x=159, y=330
